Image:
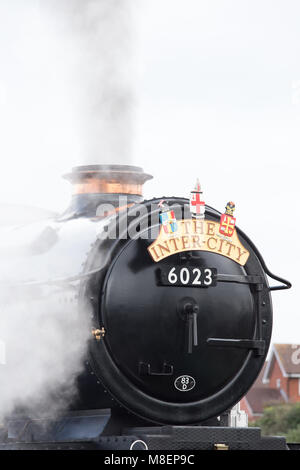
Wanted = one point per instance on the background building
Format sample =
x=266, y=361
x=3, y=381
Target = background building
x=278, y=381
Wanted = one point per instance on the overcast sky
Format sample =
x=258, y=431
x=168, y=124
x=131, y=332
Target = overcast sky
x=215, y=93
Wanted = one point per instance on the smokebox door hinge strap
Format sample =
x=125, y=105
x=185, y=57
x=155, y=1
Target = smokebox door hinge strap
x=240, y=278
x=257, y=344
x=254, y=344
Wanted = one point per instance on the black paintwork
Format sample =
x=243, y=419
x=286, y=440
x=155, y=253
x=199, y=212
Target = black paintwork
x=146, y=330
x=218, y=336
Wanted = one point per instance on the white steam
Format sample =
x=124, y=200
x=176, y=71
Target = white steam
x=66, y=93
x=43, y=345
x=95, y=38
x=44, y=329
x=73, y=105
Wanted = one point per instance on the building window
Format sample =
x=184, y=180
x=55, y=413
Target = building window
x=278, y=383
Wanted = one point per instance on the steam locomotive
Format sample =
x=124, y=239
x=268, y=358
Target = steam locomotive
x=181, y=320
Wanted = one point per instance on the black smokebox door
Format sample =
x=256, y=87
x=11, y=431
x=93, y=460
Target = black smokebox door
x=157, y=333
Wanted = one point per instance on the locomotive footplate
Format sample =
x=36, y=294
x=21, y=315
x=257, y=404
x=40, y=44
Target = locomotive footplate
x=206, y=438
x=90, y=430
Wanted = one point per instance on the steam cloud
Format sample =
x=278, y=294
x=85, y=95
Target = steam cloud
x=43, y=343
x=96, y=35
x=43, y=336
x=43, y=331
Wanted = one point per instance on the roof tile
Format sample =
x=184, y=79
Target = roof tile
x=260, y=397
x=289, y=355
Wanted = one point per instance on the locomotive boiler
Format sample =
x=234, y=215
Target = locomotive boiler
x=180, y=317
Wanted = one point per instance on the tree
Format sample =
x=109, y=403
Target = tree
x=281, y=420
x=293, y=435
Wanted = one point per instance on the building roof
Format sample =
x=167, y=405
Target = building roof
x=259, y=397
x=259, y=383
x=288, y=358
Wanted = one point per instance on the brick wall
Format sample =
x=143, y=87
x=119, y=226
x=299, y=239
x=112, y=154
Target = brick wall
x=293, y=386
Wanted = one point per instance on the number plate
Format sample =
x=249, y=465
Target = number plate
x=190, y=276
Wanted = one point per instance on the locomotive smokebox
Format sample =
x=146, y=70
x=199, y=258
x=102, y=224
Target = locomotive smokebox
x=96, y=184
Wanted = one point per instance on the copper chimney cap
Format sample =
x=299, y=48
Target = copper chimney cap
x=107, y=179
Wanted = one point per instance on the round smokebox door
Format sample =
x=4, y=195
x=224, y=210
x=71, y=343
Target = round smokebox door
x=158, y=334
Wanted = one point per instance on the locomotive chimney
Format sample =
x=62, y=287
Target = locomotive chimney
x=96, y=184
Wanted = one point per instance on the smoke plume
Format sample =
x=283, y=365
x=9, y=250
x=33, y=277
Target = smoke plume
x=44, y=330
x=96, y=39
x=84, y=58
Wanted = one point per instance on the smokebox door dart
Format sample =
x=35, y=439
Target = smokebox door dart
x=191, y=313
x=187, y=309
